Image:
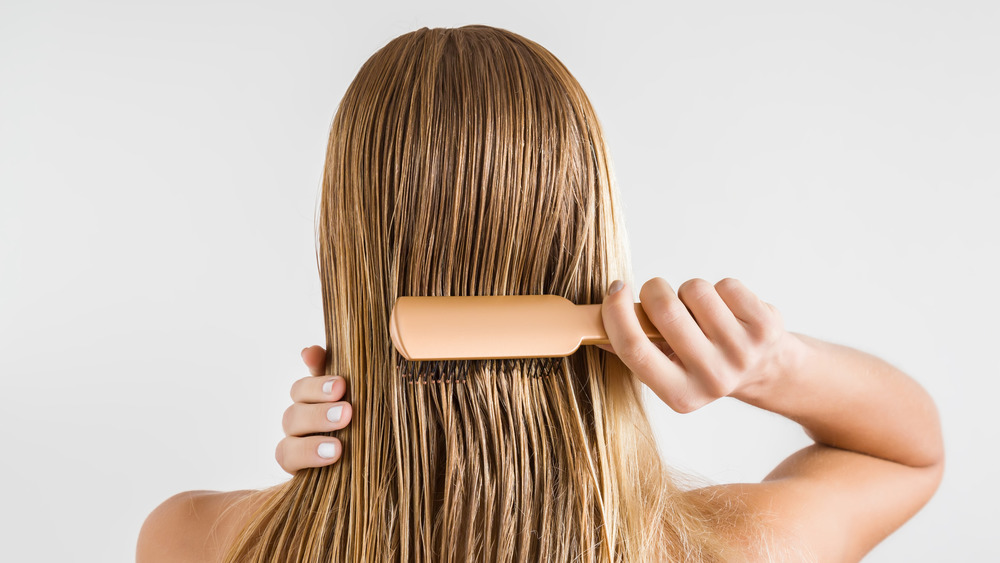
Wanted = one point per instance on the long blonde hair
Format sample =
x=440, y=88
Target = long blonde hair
x=469, y=161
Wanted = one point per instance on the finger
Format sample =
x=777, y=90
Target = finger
x=744, y=304
x=294, y=453
x=672, y=319
x=311, y=389
x=711, y=313
x=635, y=349
x=315, y=359
x=302, y=419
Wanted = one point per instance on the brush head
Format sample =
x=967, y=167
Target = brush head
x=457, y=371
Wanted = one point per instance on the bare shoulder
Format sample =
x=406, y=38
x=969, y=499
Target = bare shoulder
x=194, y=526
x=753, y=528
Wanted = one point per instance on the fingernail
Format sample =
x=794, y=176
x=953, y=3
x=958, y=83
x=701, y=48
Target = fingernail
x=302, y=354
x=327, y=450
x=328, y=387
x=333, y=415
x=615, y=286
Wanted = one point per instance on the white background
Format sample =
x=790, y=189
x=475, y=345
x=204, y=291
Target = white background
x=160, y=167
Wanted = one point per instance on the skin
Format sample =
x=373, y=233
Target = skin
x=877, y=459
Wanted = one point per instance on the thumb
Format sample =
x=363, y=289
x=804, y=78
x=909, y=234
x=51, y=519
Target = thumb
x=315, y=359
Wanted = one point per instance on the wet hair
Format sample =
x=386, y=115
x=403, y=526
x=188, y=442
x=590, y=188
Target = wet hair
x=469, y=161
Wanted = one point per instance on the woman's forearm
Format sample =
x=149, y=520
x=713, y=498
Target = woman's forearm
x=851, y=400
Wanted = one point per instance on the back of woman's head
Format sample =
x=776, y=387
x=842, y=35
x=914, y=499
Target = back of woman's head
x=469, y=161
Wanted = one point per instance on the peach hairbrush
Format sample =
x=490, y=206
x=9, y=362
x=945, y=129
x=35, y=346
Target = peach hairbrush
x=437, y=337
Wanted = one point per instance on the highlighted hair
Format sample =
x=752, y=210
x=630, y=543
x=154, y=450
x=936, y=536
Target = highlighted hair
x=469, y=161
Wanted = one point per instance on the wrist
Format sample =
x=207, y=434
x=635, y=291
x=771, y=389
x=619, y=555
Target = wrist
x=777, y=372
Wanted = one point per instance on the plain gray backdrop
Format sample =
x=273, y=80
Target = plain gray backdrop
x=160, y=166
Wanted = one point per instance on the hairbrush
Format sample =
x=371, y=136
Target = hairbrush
x=439, y=338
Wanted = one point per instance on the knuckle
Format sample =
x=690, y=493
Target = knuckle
x=634, y=353
x=742, y=361
x=653, y=286
x=685, y=404
x=695, y=288
x=739, y=353
x=288, y=419
x=719, y=386
x=769, y=327
x=769, y=330
x=666, y=311
x=297, y=388
x=684, y=407
x=777, y=319
x=279, y=453
x=729, y=285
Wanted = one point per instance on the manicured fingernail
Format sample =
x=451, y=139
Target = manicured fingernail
x=328, y=387
x=615, y=286
x=303, y=352
x=327, y=450
x=333, y=415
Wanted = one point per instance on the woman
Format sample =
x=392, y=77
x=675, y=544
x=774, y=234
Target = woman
x=469, y=162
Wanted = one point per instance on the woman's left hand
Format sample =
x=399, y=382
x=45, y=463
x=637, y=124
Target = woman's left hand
x=316, y=408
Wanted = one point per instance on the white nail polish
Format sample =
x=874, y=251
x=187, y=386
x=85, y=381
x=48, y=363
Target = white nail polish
x=333, y=415
x=327, y=450
x=328, y=387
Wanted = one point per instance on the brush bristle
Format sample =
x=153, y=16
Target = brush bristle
x=456, y=371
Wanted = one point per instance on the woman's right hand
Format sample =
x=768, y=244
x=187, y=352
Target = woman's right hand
x=316, y=407
x=878, y=456
x=724, y=340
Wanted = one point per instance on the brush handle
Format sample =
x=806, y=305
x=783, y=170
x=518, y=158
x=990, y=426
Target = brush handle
x=501, y=326
x=591, y=324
